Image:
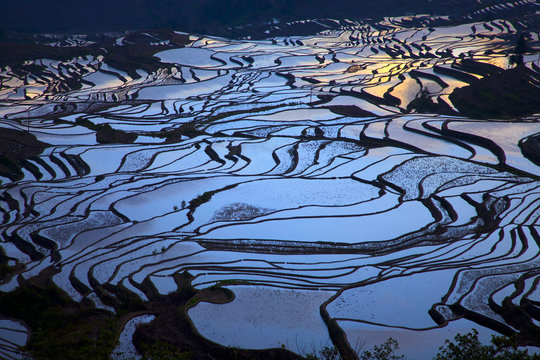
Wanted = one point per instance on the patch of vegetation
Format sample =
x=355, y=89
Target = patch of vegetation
x=201, y=199
x=105, y=134
x=424, y=104
x=520, y=49
x=469, y=347
x=6, y=271
x=385, y=351
x=164, y=351
x=464, y=347
x=175, y=135
x=509, y=94
x=10, y=168
x=15, y=147
x=326, y=353
x=61, y=328
x=124, y=300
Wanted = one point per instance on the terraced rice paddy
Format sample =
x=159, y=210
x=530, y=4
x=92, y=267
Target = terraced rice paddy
x=294, y=172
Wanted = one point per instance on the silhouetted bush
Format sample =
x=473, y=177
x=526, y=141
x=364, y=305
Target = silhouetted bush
x=469, y=347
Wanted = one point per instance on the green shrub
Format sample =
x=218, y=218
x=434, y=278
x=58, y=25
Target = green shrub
x=385, y=351
x=61, y=328
x=5, y=270
x=164, y=351
x=201, y=199
x=470, y=348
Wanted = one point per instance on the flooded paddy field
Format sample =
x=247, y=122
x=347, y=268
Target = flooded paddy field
x=290, y=193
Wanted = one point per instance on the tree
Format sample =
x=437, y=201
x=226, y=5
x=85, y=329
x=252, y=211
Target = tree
x=520, y=49
x=385, y=351
x=468, y=347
